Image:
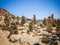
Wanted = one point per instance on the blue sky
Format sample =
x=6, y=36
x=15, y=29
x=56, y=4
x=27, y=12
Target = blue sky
x=28, y=8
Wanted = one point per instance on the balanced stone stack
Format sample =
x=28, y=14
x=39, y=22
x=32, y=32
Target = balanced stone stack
x=14, y=29
x=52, y=16
x=53, y=20
x=49, y=24
x=34, y=19
x=31, y=26
x=44, y=21
x=23, y=20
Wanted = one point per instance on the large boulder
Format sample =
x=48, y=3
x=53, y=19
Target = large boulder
x=44, y=33
x=4, y=33
x=44, y=39
x=14, y=37
x=23, y=39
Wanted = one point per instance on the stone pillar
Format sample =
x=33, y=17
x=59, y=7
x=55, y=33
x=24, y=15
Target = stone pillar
x=31, y=26
x=53, y=20
x=34, y=19
x=49, y=24
x=23, y=20
x=44, y=21
x=52, y=16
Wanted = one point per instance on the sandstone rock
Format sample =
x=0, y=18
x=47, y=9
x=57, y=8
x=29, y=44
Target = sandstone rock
x=24, y=39
x=36, y=43
x=26, y=24
x=24, y=31
x=4, y=33
x=44, y=39
x=54, y=32
x=14, y=37
x=45, y=33
x=20, y=28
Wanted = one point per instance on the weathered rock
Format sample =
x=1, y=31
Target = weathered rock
x=24, y=39
x=4, y=33
x=14, y=37
x=20, y=28
x=45, y=39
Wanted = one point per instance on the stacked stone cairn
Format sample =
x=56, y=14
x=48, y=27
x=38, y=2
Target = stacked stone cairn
x=49, y=24
x=23, y=20
x=31, y=26
x=53, y=20
x=34, y=19
x=44, y=21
